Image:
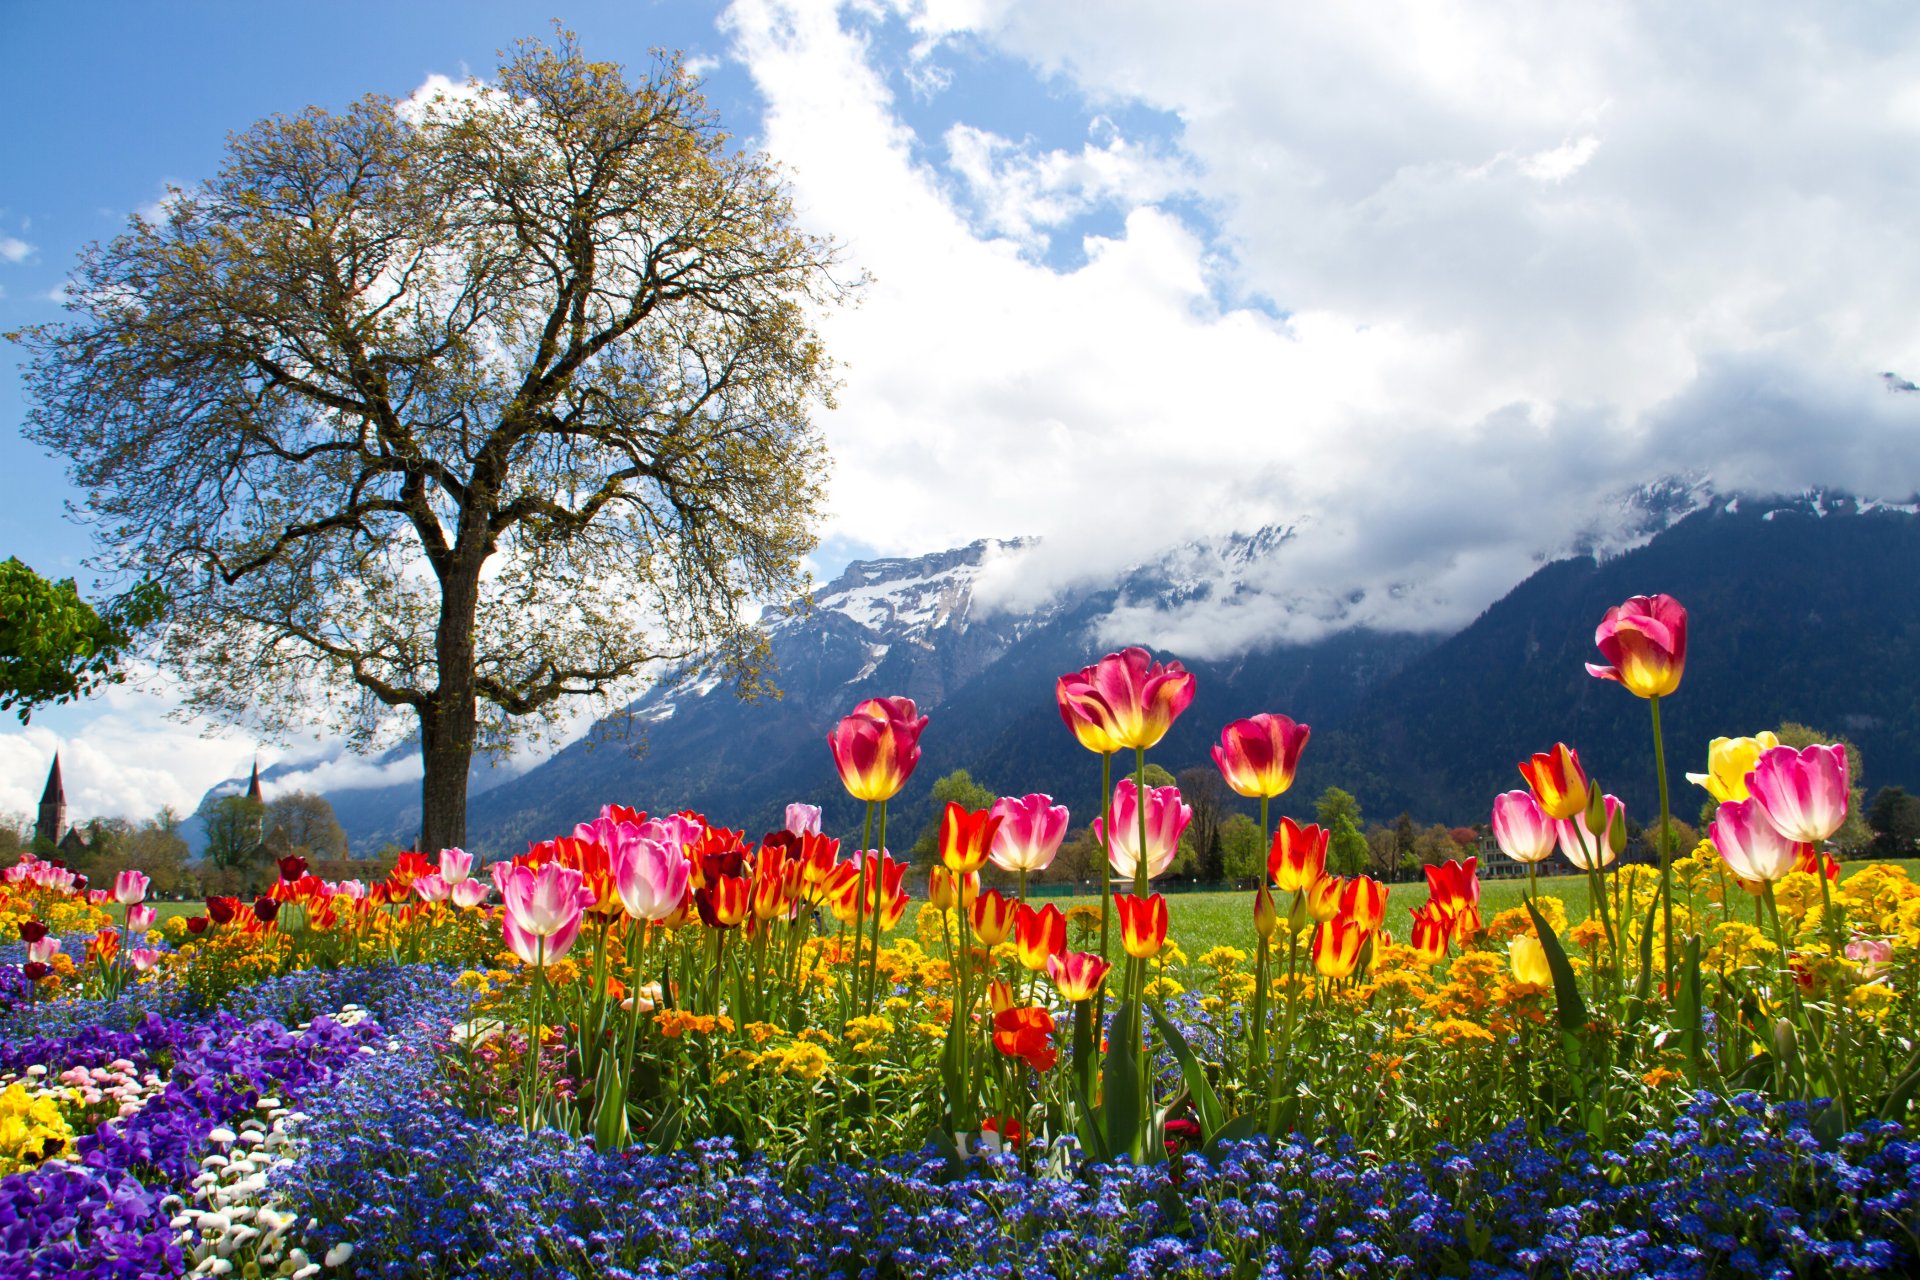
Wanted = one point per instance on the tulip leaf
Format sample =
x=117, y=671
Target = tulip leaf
x=1239, y=1129
x=665, y=1134
x=609, y=1107
x=1643, y=989
x=1901, y=1094
x=1566, y=985
x=1091, y=1136
x=1204, y=1098
x=950, y=1076
x=1692, y=1031
x=1121, y=1084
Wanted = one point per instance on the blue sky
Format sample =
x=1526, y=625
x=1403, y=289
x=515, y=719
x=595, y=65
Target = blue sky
x=1433, y=284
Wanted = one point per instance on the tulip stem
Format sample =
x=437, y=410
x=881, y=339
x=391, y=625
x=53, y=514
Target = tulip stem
x=534, y=1036
x=1666, y=847
x=859, y=923
x=879, y=911
x=1106, y=877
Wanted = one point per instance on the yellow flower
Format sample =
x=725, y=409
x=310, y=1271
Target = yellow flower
x=471, y=981
x=761, y=1032
x=869, y=1028
x=1660, y=1077
x=817, y=1035
x=1729, y=761
x=1223, y=960
x=1457, y=1033
x=1236, y=987
x=1735, y=945
x=1529, y=961
x=799, y=1058
x=31, y=1130
x=1163, y=989
x=1873, y=1000
x=1171, y=955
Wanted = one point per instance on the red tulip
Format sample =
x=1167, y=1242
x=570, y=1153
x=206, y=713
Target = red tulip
x=1143, y=924
x=941, y=889
x=1558, y=781
x=1298, y=856
x=876, y=748
x=1077, y=974
x=1258, y=756
x=1646, y=641
x=992, y=917
x=723, y=903
x=1026, y=1033
x=1323, y=898
x=1454, y=887
x=1430, y=930
x=1124, y=700
x=1364, y=900
x=223, y=910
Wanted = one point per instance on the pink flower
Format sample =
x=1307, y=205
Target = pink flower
x=1597, y=851
x=432, y=887
x=1124, y=700
x=803, y=819
x=543, y=909
x=1874, y=955
x=1646, y=641
x=876, y=747
x=1522, y=829
x=1167, y=817
x=351, y=888
x=144, y=959
x=455, y=865
x=43, y=951
x=129, y=887
x=1804, y=793
x=650, y=876
x=1752, y=846
x=140, y=917
x=468, y=893
x=1258, y=756
x=1031, y=829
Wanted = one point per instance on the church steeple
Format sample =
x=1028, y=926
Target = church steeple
x=52, y=823
x=253, y=787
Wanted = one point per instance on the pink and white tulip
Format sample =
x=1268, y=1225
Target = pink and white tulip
x=1597, y=850
x=144, y=959
x=1803, y=792
x=650, y=876
x=1749, y=842
x=432, y=887
x=1030, y=832
x=43, y=951
x=140, y=917
x=803, y=819
x=543, y=909
x=1522, y=828
x=456, y=865
x=1167, y=817
x=130, y=887
x=468, y=893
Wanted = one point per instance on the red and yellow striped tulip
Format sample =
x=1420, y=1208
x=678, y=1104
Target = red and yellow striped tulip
x=1077, y=975
x=723, y=903
x=1430, y=931
x=1265, y=918
x=966, y=837
x=1124, y=700
x=1336, y=947
x=1040, y=935
x=1645, y=640
x=1557, y=780
x=1298, y=856
x=1364, y=900
x=999, y=995
x=992, y=917
x=1454, y=886
x=1323, y=898
x=1143, y=924
x=1258, y=756
x=940, y=889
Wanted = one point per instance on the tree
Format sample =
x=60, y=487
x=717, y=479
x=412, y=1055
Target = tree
x=1242, y=856
x=1338, y=814
x=157, y=849
x=435, y=415
x=307, y=824
x=234, y=826
x=1206, y=793
x=54, y=646
x=1894, y=818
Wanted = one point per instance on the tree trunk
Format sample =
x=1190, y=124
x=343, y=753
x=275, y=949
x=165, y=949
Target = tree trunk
x=447, y=721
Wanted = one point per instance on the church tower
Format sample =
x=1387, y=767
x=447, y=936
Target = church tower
x=52, y=823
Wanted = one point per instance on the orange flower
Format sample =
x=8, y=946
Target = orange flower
x=1365, y=900
x=1077, y=974
x=1143, y=924
x=1026, y=1033
x=1336, y=947
x=993, y=917
x=1558, y=781
x=966, y=838
x=1298, y=856
x=1040, y=935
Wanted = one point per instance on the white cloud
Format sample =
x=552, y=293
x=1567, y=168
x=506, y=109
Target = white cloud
x=1524, y=258
x=13, y=249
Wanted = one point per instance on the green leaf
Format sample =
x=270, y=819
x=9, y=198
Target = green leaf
x=1206, y=1101
x=1693, y=1037
x=1894, y=1105
x=1566, y=986
x=609, y=1107
x=1087, y=1124
x=1121, y=1079
x=665, y=1134
x=1643, y=989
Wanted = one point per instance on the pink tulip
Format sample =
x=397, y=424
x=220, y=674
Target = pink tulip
x=1167, y=817
x=1752, y=846
x=1258, y=756
x=877, y=746
x=650, y=877
x=455, y=865
x=1124, y=700
x=543, y=909
x=1030, y=832
x=140, y=917
x=1646, y=641
x=99, y=897
x=1804, y=793
x=803, y=819
x=468, y=893
x=144, y=959
x=432, y=887
x=43, y=951
x=1598, y=850
x=129, y=887
x=1522, y=829
x=351, y=888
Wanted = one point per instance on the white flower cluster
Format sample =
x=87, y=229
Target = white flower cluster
x=235, y=1224
x=112, y=1092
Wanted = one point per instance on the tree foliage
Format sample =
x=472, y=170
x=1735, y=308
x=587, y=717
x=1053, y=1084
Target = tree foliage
x=306, y=824
x=54, y=646
x=457, y=408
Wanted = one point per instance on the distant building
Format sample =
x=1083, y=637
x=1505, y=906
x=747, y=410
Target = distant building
x=51, y=826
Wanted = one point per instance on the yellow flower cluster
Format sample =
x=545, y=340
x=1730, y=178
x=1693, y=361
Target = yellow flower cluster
x=800, y=1058
x=31, y=1129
